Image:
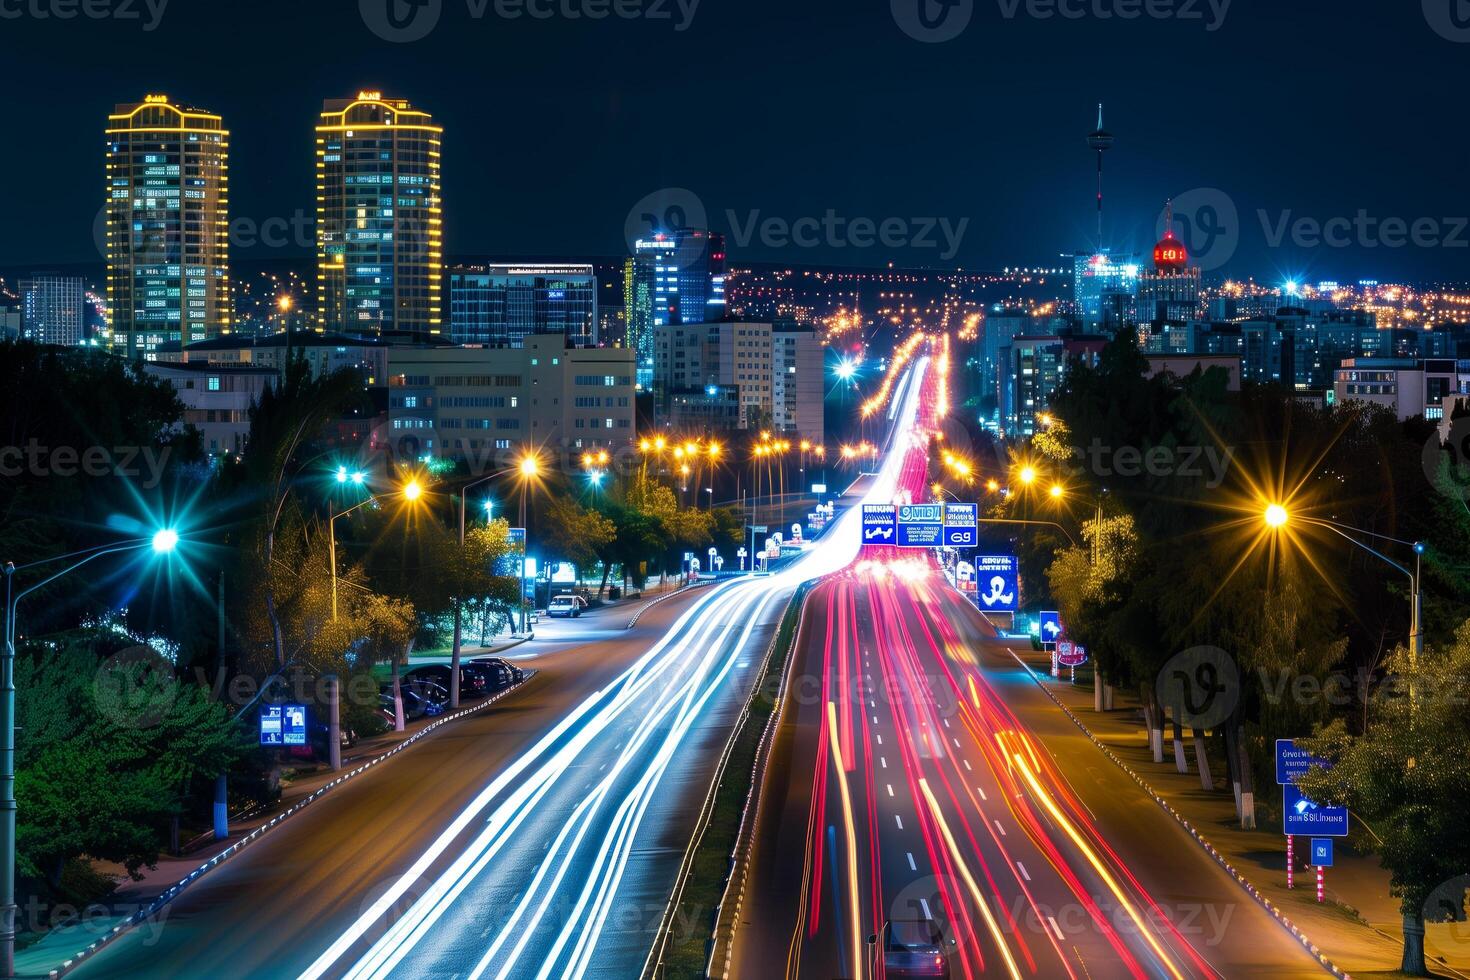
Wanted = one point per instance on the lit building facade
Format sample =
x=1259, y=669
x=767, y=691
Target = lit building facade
x=501, y=305
x=673, y=278
x=1104, y=292
x=53, y=309
x=166, y=225
x=379, y=227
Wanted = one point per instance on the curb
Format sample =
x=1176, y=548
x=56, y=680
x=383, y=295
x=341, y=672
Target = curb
x=158, y=904
x=1240, y=879
x=663, y=598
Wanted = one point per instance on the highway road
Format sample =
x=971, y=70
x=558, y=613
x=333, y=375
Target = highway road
x=908, y=785
x=539, y=839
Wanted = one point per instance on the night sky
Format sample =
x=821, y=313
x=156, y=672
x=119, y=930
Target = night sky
x=556, y=128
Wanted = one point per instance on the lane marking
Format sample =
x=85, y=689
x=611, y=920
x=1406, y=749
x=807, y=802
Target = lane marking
x=912, y=865
x=925, y=907
x=967, y=765
x=982, y=794
x=1022, y=868
x=890, y=789
x=878, y=737
x=898, y=820
x=884, y=760
x=999, y=827
x=1056, y=929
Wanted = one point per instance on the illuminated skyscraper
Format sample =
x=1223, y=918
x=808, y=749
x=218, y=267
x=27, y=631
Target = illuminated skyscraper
x=379, y=227
x=673, y=278
x=1171, y=290
x=166, y=225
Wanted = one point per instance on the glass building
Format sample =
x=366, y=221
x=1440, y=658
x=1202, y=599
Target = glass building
x=379, y=224
x=53, y=309
x=676, y=277
x=166, y=226
x=500, y=305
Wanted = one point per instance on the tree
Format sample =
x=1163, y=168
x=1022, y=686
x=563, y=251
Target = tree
x=1407, y=777
x=573, y=533
x=111, y=741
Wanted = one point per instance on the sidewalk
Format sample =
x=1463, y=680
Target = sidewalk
x=1359, y=925
x=59, y=945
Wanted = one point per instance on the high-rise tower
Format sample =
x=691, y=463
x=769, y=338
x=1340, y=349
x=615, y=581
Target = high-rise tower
x=379, y=227
x=167, y=225
x=1101, y=141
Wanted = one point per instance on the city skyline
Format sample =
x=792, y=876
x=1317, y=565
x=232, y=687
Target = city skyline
x=1019, y=172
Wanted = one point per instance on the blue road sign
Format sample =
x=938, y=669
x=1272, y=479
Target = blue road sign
x=996, y=587
x=879, y=524
x=1321, y=852
x=1292, y=762
x=1304, y=818
x=270, y=725
x=920, y=526
x=1051, y=626
x=961, y=525
x=283, y=724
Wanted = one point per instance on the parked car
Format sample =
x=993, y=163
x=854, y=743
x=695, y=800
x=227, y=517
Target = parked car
x=471, y=685
x=567, y=605
x=505, y=668
x=914, y=948
x=493, y=676
x=420, y=697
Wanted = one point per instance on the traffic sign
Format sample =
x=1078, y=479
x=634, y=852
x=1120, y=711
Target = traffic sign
x=1304, y=818
x=819, y=488
x=1051, y=626
x=880, y=523
x=1292, y=762
x=1071, y=654
x=920, y=526
x=996, y=578
x=1321, y=852
x=283, y=724
x=962, y=515
x=759, y=529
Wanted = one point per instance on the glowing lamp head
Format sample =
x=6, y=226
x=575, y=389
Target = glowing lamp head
x=1056, y=491
x=530, y=467
x=1028, y=475
x=412, y=491
x=165, y=541
x=1276, y=516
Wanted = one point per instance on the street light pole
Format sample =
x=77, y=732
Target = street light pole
x=459, y=599
x=162, y=543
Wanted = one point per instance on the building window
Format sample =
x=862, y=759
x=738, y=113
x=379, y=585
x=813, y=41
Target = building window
x=214, y=384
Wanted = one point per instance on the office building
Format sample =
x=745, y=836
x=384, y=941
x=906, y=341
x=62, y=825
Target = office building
x=53, y=309
x=217, y=400
x=1171, y=289
x=1104, y=291
x=325, y=354
x=1407, y=386
x=798, y=381
x=166, y=225
x=501, y=305
x=379, y=227
x=695, y=357
x=672, y=278
x=474, y=402
x=1035, y=368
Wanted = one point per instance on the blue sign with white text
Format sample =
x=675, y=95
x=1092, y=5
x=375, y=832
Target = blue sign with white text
x=961, y=525
x=1051, y=626
x=1292, y=762
x=879, y=524
x=996, y=588
x=1304, y=818
x=921, y=526
x=1321, y=852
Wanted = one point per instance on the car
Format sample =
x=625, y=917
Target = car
x=509, y=672
x=421, y=696
x=914, y=948
x=567, y=605
x=471, y=684
x=491, y=676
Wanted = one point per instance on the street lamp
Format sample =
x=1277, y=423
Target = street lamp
x=1277, y=518
x=162, y=542
x=529, y=469
x=411, y=491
